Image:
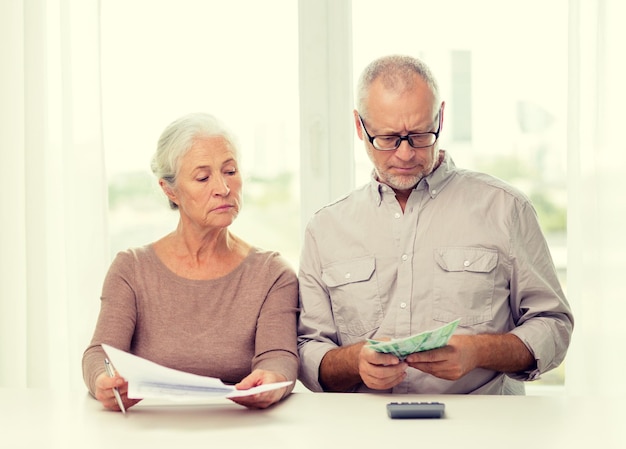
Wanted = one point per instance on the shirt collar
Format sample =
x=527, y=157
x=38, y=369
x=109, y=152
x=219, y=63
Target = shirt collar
x=440, y=177
x=434, y=183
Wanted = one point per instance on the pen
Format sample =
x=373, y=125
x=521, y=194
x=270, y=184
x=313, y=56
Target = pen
x=107, y=366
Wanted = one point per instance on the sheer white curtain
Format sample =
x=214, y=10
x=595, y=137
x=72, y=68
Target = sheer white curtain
x=597, y=208
x=53, y=242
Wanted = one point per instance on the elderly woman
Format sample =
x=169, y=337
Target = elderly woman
x=200, y=299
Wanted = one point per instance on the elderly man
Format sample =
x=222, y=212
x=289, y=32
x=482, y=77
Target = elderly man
x=422, y=244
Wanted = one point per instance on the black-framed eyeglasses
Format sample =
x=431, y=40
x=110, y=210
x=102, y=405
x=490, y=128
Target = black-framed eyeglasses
x=391, y=142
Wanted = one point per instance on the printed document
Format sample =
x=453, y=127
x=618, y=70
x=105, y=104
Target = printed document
x=147, y=379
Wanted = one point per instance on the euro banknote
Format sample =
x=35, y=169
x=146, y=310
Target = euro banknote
x=424, y=341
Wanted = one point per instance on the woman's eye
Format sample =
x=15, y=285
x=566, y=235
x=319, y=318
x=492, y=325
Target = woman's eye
x=203, y=179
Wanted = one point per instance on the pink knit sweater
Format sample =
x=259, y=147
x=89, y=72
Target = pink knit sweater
x=222, y=328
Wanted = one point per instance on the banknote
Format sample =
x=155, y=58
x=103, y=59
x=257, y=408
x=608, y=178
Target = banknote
x=423, y=341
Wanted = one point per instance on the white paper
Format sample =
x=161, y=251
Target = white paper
x=147, y=379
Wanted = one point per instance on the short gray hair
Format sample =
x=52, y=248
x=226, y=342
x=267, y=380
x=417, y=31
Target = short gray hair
x=396, y=72
x=178, y=138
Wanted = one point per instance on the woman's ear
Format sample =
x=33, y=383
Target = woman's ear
x=169, y=192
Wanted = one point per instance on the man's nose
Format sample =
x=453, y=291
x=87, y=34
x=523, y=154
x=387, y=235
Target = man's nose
x=405, y=151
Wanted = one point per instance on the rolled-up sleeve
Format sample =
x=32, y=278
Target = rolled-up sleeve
x=544, y=321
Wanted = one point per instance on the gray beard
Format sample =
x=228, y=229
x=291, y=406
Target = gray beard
x=401, y=182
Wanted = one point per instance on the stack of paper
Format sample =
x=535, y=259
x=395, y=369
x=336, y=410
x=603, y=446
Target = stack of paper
x=147, y=379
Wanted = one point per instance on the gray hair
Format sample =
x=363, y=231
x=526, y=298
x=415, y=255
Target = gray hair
x=396, y=73
x=178, y=138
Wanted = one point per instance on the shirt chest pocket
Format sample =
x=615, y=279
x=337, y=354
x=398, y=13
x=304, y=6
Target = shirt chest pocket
x=353, y=291
x=463, y=284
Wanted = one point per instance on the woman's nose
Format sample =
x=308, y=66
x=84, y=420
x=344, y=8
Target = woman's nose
x=222, y=188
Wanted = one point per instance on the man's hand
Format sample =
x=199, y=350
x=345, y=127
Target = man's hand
x=450, y=362
x=345, y=367
x=380, y=371
x=504, y=353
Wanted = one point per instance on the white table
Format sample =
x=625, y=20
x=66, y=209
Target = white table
x=44, y=419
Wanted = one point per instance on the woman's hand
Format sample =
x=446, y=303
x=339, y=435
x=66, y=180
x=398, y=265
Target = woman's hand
x=261, y=400
x=104, y=392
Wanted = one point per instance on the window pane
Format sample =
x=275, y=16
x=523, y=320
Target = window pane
x=163, y=59
x=502, y=71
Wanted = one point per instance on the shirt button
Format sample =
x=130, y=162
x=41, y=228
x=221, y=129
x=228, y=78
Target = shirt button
x=396, y=215
x=434, y=191
x=403, y=305
x=347, y=276
x=466, y=263
x=404, y=257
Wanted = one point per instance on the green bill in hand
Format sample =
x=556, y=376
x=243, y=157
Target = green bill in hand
x=424, y=341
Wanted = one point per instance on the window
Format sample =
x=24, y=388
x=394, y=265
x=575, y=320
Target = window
x=503, y=76
x=503, y=85
x=161, y=60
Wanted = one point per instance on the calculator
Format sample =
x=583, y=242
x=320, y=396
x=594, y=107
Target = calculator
x=412, y=410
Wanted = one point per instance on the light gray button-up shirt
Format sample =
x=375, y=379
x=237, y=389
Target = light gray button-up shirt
x=467, y=246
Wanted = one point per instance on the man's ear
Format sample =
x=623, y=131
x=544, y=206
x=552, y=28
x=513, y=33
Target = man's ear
x=357, y=124
x=443, y=106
